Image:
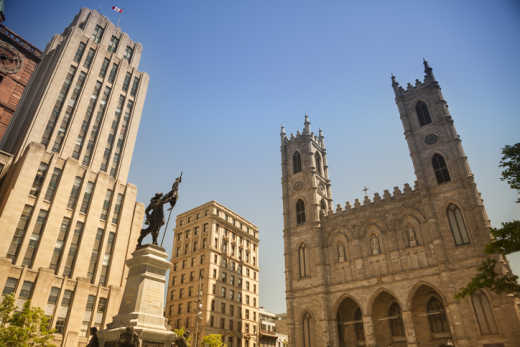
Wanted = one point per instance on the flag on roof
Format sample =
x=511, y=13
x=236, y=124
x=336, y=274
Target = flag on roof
x=117, y=9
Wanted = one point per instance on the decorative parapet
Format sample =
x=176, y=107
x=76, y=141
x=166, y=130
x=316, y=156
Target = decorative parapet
x=429, y=79
x=397, y=194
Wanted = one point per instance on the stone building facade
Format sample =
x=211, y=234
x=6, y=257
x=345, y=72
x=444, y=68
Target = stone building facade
x=69, y=218
x=385, y=271
x=16, y=69
x=213, y=288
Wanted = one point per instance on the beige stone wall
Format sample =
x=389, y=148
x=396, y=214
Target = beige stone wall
x=217, y=225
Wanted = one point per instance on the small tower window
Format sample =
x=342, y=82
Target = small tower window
x=300, y=212
x=441, y=170
x=297, y=162
x=436, y=316
x=317, y=158
x=484, y=313
x=422, y=113
x=307, y=330
x=303, y=265
x=457, y=226
x=396, y=320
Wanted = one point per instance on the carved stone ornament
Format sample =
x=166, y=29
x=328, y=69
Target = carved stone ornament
x=298, y=186
x=10, y=59
x=430, y=139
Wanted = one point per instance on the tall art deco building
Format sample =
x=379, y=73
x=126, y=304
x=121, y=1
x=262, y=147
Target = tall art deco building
x=68, y=217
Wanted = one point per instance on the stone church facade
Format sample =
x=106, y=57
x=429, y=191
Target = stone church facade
x=385, y=271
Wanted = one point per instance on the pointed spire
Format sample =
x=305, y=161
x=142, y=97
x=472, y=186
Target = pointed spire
x=320, y=138
x=307, y=125
x=428, y=74
x=283, y=135
x=396, y=86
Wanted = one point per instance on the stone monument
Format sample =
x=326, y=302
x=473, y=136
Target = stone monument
x=140, y=321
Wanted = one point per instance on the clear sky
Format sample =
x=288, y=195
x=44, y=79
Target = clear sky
x=224, y=75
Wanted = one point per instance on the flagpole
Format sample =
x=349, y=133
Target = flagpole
x=166, y=227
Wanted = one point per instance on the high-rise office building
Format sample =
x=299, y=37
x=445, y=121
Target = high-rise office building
x=213, y=287
x=69, y=219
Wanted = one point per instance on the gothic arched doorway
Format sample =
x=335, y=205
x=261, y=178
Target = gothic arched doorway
x=429, y=317
x=388, y=321
x=350, y=324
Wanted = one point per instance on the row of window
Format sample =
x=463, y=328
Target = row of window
x=455, y=219
x=61, y=315
x=97, y=35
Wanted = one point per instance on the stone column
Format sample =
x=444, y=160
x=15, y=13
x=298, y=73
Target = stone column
x=141, y=318
x=409, y=329
x=368, y=327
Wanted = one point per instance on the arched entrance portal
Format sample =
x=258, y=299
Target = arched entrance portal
x=429, y=316
x=350, y=324
x=388, y=321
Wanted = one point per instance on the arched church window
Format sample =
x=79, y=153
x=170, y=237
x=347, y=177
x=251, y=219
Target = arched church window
x=297, y=162
x=484, y=313
x=375, y=247
x=422, y=113
x=436, y=316
x=457, y=225
x=303, y=265
x=300, y=212
x=341, y=252
x=307, y=330
x=396, y=320
x=317, y=159
x=358, y=326
x=441, y=170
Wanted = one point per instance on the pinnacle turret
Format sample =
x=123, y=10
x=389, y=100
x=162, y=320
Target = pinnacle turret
x=428, y=72
x=306, y=125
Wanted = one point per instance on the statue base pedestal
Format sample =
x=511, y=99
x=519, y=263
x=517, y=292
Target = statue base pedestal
x=140, y=321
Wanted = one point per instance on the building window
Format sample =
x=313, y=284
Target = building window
x=422, y=113
x=436, y=316
x=57, y=106
x=74, y=193
x=25, y=293
x=120, y=142
x=297, y=162
x=112, y=133
x=95, y=127
x=307, y=332
x=51, y=302
x=300, y=212
x=114, y=43
x=19, y=233
x=73, y=250
x=109, y=249
x=126, y=82
x=34, y=240
x=106, y=204
x=60, y=243
x=441, y=170
x=113, y=72
x=303, y=265
x=98, y=34
x=10, y=286
x=63, y=312
x=101, y=311
x=375, y=247
x=358, y=327
x=484, y=314
x=104, y=68
x=457, y=226
x=39, y=178
x=317, y=159
x=87, y=316
x=87, y=196
x=89, y=58
x=79, y=52
x=94, y=257
x=129, y=52
x=117, y=208
x=396, y=320
x=53, y=184
x=135, y=86
x=86, y=121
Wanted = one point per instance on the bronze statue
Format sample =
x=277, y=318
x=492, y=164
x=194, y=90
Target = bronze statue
x=94, y=342
x=155, y=214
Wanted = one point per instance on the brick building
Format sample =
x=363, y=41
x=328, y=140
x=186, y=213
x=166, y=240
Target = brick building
x=385, y=271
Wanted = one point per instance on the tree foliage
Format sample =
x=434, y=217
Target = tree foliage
x=505, y=240
x=186, y=334
x=213, y=340
x=511, y=163
x=28, y=327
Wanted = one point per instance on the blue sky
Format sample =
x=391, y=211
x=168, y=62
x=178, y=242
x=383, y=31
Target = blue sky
x=224, y=75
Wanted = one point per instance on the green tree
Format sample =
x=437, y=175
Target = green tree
x=28, y=327
x=181, y=332
x=213, y=340
x=504, y=240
